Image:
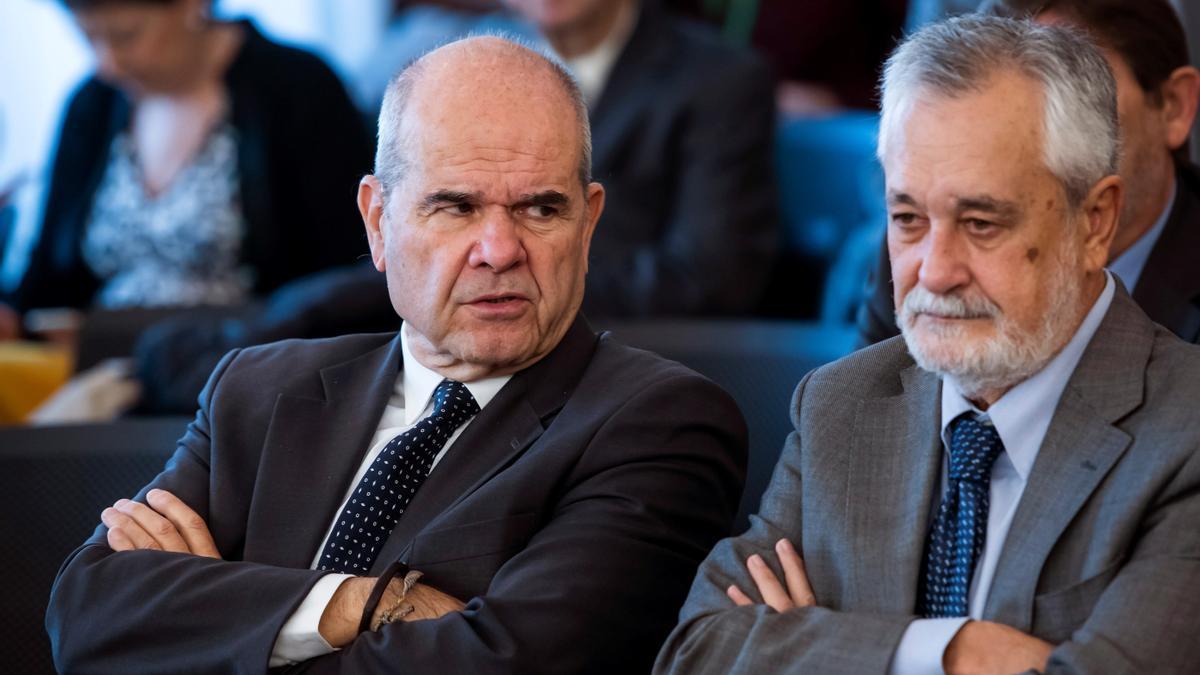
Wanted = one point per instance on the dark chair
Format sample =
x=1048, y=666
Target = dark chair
x=112, y=333
x=758, y=362
x=54, y=481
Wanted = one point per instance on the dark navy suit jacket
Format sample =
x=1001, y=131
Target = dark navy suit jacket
x=683, y=135
x=570, y=516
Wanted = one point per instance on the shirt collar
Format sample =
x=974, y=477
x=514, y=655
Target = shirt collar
x=416, y=384
x=1129, y=265
x=591, y=70
x=1022, y=415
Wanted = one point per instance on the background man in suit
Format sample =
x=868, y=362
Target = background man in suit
x=1015, y=484
x=683, y=127
x=1158, y=238
x=562, y=478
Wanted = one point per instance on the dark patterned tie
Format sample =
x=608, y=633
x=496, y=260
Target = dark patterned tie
x=956, y=540
x=391, y=482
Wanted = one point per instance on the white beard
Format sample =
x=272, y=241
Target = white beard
x=1012, y=355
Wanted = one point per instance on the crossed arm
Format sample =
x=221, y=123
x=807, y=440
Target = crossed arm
x=165, y=523
x=978, y=647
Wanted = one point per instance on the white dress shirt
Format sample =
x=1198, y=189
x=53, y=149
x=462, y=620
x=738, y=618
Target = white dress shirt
x=591, y=69
x=299, y=639
x=1021, y=416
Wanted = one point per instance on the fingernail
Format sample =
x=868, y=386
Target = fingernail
x=120, y=503
x=784, y=546
x=155, y=493
x=755, y=560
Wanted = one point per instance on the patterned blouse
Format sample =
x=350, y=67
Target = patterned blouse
x=180, y=247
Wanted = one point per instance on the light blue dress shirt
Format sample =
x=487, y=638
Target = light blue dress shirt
x=1129, y=265
x=1021, y=416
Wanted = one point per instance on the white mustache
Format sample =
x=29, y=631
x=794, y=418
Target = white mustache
x=921, y=301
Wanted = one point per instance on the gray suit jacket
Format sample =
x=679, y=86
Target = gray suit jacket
x=1102, y=559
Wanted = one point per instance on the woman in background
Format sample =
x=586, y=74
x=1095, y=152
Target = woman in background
x=202, y=164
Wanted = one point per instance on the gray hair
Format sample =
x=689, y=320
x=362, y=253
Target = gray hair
x=1080, y=125
x=391, y=161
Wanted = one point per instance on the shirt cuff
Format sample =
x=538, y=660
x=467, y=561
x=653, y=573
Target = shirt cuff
x=300, y=638
x=923, y=644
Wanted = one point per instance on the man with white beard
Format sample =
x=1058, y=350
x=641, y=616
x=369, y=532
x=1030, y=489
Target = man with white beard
x=1014, y=484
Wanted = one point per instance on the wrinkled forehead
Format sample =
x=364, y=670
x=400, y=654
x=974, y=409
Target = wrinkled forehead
x=510, y=119
x=1002, y=116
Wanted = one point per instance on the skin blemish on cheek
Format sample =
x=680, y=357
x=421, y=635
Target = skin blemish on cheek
x=1050, y=204
x=1031, y=255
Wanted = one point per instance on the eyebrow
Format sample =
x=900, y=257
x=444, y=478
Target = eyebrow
x=1002, y=208
x=546, y=198
x=439, y=197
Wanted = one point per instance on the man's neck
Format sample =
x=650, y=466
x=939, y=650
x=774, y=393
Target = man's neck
x=574, y=41
x=1135, y=225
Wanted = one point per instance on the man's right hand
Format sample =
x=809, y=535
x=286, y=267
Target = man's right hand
x=984, y=647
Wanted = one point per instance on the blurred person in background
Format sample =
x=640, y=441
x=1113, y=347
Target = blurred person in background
x=1158, y=237
x=683, y=126
x=415, y=27
x=201, y=164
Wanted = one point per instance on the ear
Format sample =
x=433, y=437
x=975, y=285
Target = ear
x=1180, y=95
x=371, y=206
x=595, y=206
x=1101, y=209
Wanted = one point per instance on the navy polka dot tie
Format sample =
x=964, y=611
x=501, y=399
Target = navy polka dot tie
x=956, y=540
x=391, y=482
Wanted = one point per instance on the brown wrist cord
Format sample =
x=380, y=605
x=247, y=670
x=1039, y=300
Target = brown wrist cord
x=381, y=584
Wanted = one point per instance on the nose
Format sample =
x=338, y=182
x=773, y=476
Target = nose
x=944, y=266
x=499, y=246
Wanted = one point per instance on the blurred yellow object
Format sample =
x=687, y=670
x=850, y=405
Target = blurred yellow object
x=29, y=373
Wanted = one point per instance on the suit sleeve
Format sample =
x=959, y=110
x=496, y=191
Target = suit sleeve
x=716, y=636
x=715, y=252
x=1147, y=618
x=597, y=588
x=153, y=611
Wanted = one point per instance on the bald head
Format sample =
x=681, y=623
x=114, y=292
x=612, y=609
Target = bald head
x=478, y=78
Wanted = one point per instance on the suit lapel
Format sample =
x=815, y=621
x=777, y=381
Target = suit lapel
x=1169, y=287
x=894, y=463
x=1081, y=446
x=498, y=435
x=633, y=78
x=312, y=450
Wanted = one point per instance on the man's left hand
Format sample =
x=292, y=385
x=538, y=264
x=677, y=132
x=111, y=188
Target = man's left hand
x=795, y=590
x=167, y=524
